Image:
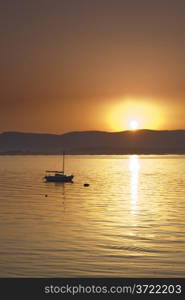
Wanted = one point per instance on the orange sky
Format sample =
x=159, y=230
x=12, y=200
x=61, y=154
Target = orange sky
x=92, y=65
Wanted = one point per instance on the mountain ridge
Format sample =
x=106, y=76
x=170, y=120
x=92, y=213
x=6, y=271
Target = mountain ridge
x=143, y=141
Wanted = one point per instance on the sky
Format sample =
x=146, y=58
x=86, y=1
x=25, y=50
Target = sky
x=68, y=65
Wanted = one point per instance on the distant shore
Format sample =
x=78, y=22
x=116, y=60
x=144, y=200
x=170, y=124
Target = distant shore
x=118, y=153
x=94, y=143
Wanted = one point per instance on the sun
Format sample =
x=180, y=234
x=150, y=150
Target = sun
x=133, y=124
x=129, y=113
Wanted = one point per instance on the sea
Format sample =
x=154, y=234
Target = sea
x=129, y=221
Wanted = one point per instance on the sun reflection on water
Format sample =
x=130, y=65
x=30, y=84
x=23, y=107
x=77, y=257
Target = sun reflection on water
x=134, y=166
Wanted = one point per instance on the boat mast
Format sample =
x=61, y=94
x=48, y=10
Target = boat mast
x=63, y=160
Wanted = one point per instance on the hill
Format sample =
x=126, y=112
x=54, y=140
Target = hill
x=95, y=142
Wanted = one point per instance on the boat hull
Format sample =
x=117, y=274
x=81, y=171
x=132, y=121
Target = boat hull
x=59, y=178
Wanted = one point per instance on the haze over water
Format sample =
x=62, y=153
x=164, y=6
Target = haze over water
x=128, y=223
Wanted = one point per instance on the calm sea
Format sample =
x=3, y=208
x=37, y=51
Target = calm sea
x=130, y=221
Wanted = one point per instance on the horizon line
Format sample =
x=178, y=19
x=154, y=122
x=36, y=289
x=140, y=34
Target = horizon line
x=76, y=131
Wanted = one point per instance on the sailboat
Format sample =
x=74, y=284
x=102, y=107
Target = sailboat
x=58, y=176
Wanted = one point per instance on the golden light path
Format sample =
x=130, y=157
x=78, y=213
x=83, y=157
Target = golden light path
x=134, y=167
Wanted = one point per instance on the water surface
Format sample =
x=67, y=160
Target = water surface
x=130, y=221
